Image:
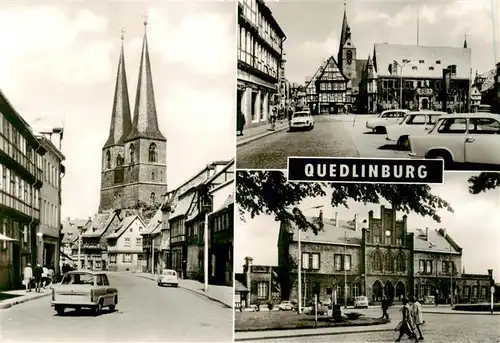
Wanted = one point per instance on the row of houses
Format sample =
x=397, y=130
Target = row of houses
x=375, y=257
x=169, y=235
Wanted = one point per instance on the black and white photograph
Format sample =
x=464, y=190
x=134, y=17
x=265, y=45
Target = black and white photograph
x=118, y=162
x=371, y=79
x=367, y=262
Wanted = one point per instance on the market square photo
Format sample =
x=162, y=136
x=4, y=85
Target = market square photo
x=316, y=79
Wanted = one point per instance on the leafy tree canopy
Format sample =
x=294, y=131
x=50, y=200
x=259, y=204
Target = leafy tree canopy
x=268, y=192
x=484, y=182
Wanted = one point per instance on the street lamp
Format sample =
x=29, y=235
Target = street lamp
x=365, y=228
x=451, y=278
x=80, y=230
x=401, y=66
x=299, y=269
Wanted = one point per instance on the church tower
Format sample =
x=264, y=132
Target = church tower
x=145, y=146
x=347, y=51
x=113, y=151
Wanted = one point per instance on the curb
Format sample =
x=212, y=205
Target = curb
x=312, y=334
x=465, y=313
x=20, y=301
x=259, y=136
x=191, y=290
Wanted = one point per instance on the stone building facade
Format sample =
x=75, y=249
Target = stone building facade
x=134, y=156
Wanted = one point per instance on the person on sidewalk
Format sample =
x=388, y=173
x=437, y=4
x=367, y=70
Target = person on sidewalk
x=28, y=276
x=45, y=276
x=240, y=123
x=405, y=326
x=418, y=317
x=385, y=308
x=272, y=118
x=37, y=275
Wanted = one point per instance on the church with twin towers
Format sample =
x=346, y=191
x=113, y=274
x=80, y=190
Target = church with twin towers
x=134, y=162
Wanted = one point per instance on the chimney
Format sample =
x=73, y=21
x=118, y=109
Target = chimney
x=248, y=279
x=427, y=234
x=356, y=224
x=336, y=219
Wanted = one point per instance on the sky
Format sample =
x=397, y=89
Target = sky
x=473, y=225
x=59, y=62
x=313, y=29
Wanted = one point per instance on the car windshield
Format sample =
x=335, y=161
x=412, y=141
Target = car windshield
x=362, y=298
x=301, y=115
x=78, y=279
x=169, y=272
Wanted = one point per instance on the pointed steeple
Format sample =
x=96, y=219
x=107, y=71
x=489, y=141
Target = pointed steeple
x=465, y=42
x=145, y=124
x=345, y=34
x=121, y=122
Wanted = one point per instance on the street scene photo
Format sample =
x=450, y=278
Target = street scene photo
x=117, y=196
x=367, y=262
x=316, y=79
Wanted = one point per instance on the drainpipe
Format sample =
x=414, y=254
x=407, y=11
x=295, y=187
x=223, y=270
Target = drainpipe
x=33, y=193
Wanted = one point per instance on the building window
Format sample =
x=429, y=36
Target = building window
x=127, y=258
x=153, y=176
x=152, y=198
x=315, y=261
x=355, y=290
x=305, y=260
x=262, y=290
x=389, y=262
x=342, y=262
x=138, y=241
x=131, y=153
x=108, y=160
x=414, y=68
x=438, y=62
x=377, y=261
x=431, y=68
x=338, y=262
x=400, y=262
x=112, y=258
x=153, y=155
x=127, y=242
x=421, y=61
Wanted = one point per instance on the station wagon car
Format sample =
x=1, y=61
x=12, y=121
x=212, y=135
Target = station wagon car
x=84, y=289
x=168, y=277
x=385, y=118
x=413, y=123
x=461, y=138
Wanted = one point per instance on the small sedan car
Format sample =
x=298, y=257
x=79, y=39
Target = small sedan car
x=168, y=278
x=285, y=306
x=460, y=138
x=302, y=120
x=385, y=118
x=84, y=289
x=361, y=302
x=413, y=123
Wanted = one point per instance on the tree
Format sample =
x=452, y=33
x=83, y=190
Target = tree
x=268, y=192
x=483, y=182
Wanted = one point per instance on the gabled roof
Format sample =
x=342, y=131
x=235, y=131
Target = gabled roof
x=154, y=224
x=385, y=54
x=124, y=225
x=332, y=67
x=331, y=234
x=182, y=205
x=317, y=73
x=70, y=229
x=99, y=224
x=436, y=242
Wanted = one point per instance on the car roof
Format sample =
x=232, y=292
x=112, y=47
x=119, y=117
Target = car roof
x=395, y=110
x=85, y=272
x=427, y=112
x=472, y=115
x=308, y=112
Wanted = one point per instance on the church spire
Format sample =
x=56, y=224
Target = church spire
x=121, y=122
x=465, y=42
x=346, y=30
x=145, y=123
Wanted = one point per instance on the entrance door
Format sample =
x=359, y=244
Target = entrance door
x=389, y=290
x=16, y=265
x=424, y=104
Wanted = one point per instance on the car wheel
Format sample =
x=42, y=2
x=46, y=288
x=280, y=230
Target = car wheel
x=404, y=143
x=98, y=308
x=115, y=301
x=159, y=284
x=176, y=285
x=60, y=310
x=441, y=155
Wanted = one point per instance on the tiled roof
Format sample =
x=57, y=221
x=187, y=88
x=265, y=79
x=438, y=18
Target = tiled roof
x=70, y=229
x=385, y=54
x=99, y=224
x=435, y=243
x=154, y=224
x=360, y=67
x=192, y=213
x=123, y=226
x=331, y=233
x=239, y=287
x=228, y=202
x=181, y=206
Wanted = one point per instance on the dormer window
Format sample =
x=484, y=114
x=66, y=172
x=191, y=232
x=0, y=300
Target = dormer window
x=438, y=62
x=414, y=68
x=421, y=61
x=431, y=68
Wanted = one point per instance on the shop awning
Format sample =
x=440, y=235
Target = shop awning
x=4, y=238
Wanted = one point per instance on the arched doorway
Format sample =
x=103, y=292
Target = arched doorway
x=377, y=291
x=424, y=104
x=389, y=290
x=400, y=290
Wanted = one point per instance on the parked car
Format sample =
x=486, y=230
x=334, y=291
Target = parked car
x=302, y=120
x=361, y=302
x=286, y=306
x=168, y=277
x=461, y=138
x=385, y=118
x=412, y=123
x=84, y=289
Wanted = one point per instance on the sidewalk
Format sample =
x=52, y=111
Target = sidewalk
x=221, y=294
x=256, y=132
x=21, y=296
x=276, y=334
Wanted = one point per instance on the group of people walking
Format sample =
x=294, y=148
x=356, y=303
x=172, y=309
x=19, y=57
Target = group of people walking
x=412, y=319
x=40, y=276
x=275, y=115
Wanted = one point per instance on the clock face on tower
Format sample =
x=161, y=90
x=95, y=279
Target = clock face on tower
x=349, y=56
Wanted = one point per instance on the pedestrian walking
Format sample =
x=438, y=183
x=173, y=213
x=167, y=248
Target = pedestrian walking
x=272, y=118
x=51, y=274
x=27, y=277
x=290, y=115
x=385, y=308
x=436, y=297
x=45, y=276
x=240, y=123
x=405, y=326
x=417, y=314
x=37, y=275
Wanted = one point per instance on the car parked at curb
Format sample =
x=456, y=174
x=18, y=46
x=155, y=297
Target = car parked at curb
x=84, y=289
x=302, y=120
x=361, y=302
x=460, y=138
x=413, y=123
x=286, y=306
x=385, y=118
x=168, y=277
